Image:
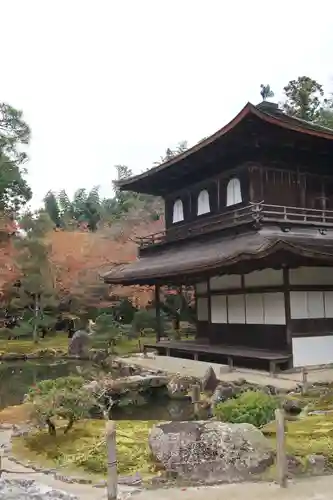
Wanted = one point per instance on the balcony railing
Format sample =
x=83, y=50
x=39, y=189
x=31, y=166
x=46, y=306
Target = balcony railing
x=255, y=212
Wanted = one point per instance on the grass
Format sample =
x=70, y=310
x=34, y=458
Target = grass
x=83, y=448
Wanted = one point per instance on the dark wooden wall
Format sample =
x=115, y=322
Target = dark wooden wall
x=290, y=188
x=217, y=189
x=259, y=182
x=271, y=337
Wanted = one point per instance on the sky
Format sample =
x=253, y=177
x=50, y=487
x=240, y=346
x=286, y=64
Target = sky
x=109, y=82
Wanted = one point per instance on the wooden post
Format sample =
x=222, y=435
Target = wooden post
x=158, y=313
x=281, y=458
x=196, y=399
x=112, y=479
x=305, y=385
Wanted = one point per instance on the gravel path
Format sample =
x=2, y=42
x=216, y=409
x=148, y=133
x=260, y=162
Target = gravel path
x=320, y=488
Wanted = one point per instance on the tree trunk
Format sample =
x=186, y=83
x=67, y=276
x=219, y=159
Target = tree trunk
x=51, y=426
x=36, y=314
x=69, y=425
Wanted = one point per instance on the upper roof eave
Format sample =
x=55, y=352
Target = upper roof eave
x=290, y=124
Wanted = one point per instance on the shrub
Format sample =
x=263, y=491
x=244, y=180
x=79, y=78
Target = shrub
x=46, y=386
x=145, y=319
x=106, y=331
x=251, y=407
x=62, y=398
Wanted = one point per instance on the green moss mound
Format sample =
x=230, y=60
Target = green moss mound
x=253, y=407
x=84, y=448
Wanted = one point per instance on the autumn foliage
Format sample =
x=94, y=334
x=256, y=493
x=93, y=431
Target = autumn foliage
x=79, y=257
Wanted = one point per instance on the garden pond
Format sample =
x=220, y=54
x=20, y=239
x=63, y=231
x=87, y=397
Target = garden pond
x=18, y=376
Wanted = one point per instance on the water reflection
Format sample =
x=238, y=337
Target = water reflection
x=17, y=377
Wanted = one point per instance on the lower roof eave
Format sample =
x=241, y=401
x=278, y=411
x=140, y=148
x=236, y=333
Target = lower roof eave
x=240, y=254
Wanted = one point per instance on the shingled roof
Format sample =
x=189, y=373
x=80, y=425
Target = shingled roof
x=266, y=111
x=194, y=258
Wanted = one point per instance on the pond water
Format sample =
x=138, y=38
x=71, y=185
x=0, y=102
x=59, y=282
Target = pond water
x=17, y=377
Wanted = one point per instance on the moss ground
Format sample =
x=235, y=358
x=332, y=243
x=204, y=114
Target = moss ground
x=310, y=435
x=60, y=341
x=83, y=449
x=27, y=346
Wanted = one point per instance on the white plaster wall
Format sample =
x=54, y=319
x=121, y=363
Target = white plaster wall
x=309, y=351
x=226, y=281
x=274, y=309
x=265, y=277
x=236, y=309
x=311, y=276
x=316, y=305
x=328, y=303
x=219, y=309
x=306, y=305
x=202, y=309
x=254, y=308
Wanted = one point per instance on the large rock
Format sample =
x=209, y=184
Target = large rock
x=211, y=451
x=178, y=387
x=79, y=344
x=210, y=380
x=222, y=393
x=124, y=385
x=27, y=489
x=292, y=407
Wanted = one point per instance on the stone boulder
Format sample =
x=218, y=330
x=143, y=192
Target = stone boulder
x=210, y=380
x=210, y=451
x=223, y=392
x=292, y=407
x=316, y=464
x=98, y=356
x=178, y=387
x=79, y=344
x=124, y=385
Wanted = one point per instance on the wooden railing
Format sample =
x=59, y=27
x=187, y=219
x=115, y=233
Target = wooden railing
x=255, y=212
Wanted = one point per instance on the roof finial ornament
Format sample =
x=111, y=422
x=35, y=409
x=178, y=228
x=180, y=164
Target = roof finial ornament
x=266, y=92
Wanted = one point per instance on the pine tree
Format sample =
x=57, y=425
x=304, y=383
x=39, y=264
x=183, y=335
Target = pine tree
x=36, y=284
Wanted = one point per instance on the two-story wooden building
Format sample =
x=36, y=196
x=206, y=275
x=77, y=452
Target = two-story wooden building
x=249, y=222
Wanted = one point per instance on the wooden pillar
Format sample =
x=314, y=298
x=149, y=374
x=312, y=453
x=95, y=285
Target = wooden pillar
x=180, y=296
x=112, y=477
x=211, y=340
x=158, y=313
x=250, y=172
x=218, y=193
x=286, y=289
